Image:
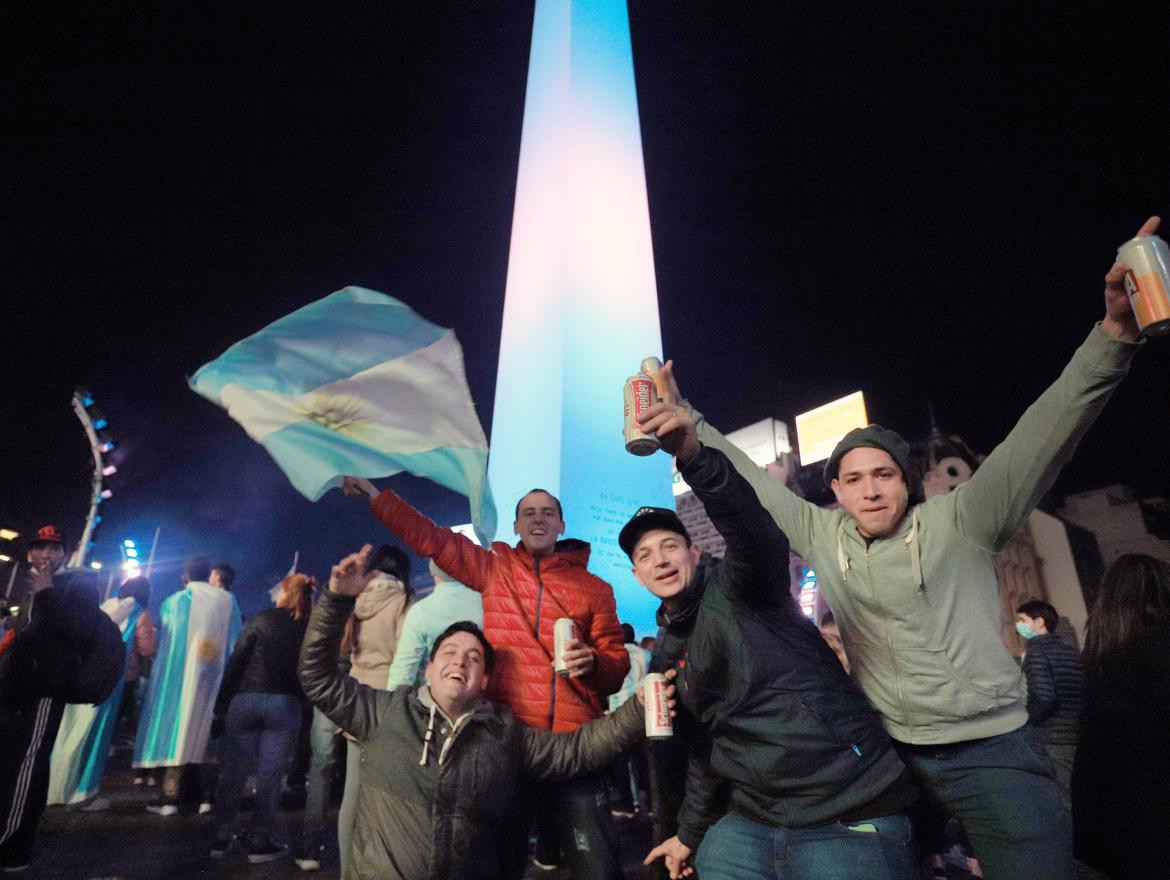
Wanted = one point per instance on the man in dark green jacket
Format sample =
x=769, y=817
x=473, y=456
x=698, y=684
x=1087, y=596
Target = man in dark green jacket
x=439, y=763
x=773, y=723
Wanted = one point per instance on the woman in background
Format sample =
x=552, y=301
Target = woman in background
x=260, y=703
x=1121, y=777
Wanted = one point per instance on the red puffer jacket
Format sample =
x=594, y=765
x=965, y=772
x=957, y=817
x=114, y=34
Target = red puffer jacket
x=522, y=598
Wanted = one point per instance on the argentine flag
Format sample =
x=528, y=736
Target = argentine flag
x=356, y=383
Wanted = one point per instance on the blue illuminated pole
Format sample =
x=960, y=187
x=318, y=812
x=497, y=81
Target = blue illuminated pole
x=581, y=307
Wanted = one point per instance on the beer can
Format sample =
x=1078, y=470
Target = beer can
x=564, y=631
x=1147, y=282
x=658, y=723
x=640, y=394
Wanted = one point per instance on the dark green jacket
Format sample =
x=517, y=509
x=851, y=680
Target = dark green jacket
x=436, y=813
x=782, y=724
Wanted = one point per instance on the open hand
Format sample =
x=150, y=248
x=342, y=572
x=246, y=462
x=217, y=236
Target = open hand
x=1119, y=321
x=358, y=487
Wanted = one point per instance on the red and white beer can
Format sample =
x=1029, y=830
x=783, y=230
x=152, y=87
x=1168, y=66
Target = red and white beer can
x=1147, y=282
x=640, y=394
x=658, y=723
x=564, y=631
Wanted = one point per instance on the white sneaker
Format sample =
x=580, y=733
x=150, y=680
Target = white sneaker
x=163, y=809
x=205, y=807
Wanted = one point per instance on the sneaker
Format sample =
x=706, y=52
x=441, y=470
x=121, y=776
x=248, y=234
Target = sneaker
x=14, y=869
x=258, y=855
x=140, y=780
x=623, y=812
x=205, y=807
x=97, y=805
x=308, y=863
x=151, y=782
x=221, y=847
x=163, y=809
x=544, y=866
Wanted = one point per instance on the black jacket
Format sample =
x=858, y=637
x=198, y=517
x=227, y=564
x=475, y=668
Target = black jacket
x=435, y=811
x=264, y=660
x=768, y=710
x=63, y=646
x=1052, y=669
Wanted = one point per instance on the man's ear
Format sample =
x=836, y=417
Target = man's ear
x=562, y=531
x=516, y=527
x=696, y=553
x=836, y=487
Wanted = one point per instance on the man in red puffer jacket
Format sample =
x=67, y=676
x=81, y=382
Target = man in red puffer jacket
x=526, y=588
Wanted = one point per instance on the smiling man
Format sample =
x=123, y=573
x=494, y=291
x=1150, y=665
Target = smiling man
x=526, y=587
x=914, y=590
x=772, y=723
x=441, y=764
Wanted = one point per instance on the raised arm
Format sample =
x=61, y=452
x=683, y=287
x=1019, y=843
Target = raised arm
x=237, y=663
x=992, y=505
x=351, y=705
x=792, y=514
x=555, y=756
x=411, y=652
x=456, y=554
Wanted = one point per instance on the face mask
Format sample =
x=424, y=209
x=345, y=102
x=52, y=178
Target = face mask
x=1025, y=631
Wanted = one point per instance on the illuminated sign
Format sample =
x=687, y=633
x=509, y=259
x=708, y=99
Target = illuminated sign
x=808, y=593
x=819, y=430
x=763, y=442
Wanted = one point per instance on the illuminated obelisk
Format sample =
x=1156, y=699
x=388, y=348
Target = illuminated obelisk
x=581, y=309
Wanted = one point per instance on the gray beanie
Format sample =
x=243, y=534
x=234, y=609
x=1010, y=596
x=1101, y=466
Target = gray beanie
x=877, y=437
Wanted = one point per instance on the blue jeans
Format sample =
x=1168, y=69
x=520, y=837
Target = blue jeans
x=323, y=737
x=260, y=729
x=1004, y=795
x=349, y=796
x=736, y=848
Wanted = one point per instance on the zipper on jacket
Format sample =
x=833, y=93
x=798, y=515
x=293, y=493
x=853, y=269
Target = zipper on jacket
x=889, y=639
x=552, y=703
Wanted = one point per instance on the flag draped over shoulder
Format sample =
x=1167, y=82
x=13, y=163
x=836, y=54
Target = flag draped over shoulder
x=356, y=383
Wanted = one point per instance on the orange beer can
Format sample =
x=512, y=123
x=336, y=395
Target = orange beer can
x=1147, y=282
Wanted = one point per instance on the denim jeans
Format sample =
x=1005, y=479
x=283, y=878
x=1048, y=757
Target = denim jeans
x=323, y=739
x=260, y=729
x=737, y=848
x=345, y=816
x=1004, y=795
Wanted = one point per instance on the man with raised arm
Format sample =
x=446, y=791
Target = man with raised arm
x=914, y=590
x=775, y=729
x=526, y=588
x=440, y=763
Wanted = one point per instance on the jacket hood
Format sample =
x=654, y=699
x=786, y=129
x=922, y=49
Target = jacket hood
x=377, y=595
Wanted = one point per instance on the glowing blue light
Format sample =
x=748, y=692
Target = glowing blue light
x=581, y=307
x=131, y=553
x=99, y=424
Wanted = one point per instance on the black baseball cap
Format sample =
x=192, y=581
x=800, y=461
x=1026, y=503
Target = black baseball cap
x=647, y=519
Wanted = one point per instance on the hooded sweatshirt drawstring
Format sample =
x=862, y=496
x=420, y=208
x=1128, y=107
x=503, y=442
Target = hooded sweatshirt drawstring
x=422, y=762
x=913, y=545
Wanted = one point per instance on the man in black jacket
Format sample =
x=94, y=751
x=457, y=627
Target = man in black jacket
x=63, y=649
x=774, y=726
x=440, y=764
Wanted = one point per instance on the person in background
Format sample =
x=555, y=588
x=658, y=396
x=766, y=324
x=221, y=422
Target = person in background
x=198, y=628
x=1121, y=776
x=448, y=602
x=62, y=649
x=223, y=576
x=79, y=757
x=259, y=703
x=141, y=652
x=633, y=765
x=832, y=636
x=371, y=640
x=1052, y=671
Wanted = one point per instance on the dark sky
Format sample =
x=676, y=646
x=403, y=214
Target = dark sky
x=918, y=202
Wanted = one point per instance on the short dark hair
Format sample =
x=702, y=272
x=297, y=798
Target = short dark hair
x=196, y=568
x=556, y=501
x=466, y=626
x=1036, y=608
x=628, y=632
x=136, y=588
x=391, y=560
x=227, y=574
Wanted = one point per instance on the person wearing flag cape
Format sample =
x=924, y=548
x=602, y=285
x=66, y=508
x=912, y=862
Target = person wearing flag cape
x=198, y=627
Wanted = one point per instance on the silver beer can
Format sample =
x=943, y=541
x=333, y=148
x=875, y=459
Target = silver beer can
x=1147, y=282
x=564, y=631
x=658, y=723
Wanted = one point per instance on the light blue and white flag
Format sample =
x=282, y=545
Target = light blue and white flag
x=356, y=383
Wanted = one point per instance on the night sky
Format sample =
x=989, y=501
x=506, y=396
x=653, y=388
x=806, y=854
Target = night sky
x=920, y=203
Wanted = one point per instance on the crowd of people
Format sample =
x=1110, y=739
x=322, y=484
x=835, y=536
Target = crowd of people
x=797, y=752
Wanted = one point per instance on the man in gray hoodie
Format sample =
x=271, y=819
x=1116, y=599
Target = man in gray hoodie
x=913, y=587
